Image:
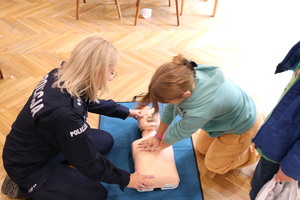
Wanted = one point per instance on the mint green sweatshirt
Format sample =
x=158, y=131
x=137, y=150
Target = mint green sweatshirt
x=217, y=105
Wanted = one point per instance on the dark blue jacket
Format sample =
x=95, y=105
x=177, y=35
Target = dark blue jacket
x=52, y=123
x=279, y=137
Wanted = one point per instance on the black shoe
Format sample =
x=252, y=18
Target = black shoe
x=12, y=190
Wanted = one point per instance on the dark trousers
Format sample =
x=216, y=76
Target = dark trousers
x=67, y=183
x=264, y=171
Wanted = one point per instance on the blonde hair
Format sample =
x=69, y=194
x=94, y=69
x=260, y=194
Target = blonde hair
x=170, y=82
x=87, y=68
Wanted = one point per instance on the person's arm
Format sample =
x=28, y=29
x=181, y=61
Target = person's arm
x=297, y=72
x=282, y=177
x=162, y=145
x=68, y=136
x=168, y=114
x=136, y=114
x=113, y=109
x=153, y=142
x=138, y=181
x=161, y=130
x=184, y=129
x=160, y=135
x=109, y=108
x=290, y=164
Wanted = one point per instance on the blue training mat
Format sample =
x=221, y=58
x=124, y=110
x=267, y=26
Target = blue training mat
x=124, y=133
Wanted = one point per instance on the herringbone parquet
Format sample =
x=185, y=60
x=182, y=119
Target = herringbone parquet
x=246, y=39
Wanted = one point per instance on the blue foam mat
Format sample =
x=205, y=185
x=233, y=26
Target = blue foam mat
x=124, y=133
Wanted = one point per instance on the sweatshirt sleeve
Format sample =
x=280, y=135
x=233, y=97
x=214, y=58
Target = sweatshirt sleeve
x=168, y=114
x=109, y=108
x=183, y=129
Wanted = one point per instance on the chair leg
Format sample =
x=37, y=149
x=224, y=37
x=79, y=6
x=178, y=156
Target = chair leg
x=137, y=11
x=182, y=6
x=177, y=12
x=77, y=10
x=169, y=3
x=215, y=8
x=118, y=8
x=1, y=73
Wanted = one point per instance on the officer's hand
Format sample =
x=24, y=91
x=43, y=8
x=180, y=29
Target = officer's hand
x=135, y=114
x=139, y=182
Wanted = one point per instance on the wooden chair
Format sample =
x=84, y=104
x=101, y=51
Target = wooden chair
x=138, y=7
x=2, y=76
x=84, y=1
x=214, y=11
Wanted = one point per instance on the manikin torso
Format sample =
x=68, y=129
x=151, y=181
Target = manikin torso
x=161, y=164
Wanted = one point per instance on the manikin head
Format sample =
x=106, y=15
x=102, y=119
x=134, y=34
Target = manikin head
x=150, y=121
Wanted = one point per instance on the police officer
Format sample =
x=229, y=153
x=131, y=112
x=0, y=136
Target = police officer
x=51, y=130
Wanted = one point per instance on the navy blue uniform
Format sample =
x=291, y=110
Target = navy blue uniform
x=51, y=128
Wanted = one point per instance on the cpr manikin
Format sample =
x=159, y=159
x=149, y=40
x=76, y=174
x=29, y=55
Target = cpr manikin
x=161, y=164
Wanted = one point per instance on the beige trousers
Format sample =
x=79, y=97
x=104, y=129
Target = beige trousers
x=229, y=151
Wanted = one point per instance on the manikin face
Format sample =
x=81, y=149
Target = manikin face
x=149, y=121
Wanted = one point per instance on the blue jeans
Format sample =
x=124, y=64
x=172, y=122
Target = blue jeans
x=264, y=171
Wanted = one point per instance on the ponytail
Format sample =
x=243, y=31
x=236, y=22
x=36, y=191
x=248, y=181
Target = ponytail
x=170, y=81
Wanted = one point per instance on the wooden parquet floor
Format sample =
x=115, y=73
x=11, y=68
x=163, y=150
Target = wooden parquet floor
x=246, y=39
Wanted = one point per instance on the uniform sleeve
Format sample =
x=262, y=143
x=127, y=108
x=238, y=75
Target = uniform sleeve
x=109, y=108
x=70, y=137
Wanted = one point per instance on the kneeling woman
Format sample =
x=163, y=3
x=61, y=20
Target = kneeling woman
x=52, y=127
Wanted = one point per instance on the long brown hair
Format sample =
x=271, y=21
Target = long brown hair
x=170, y=82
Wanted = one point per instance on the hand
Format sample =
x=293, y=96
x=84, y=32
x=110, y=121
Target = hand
x=297, y=73
x=162, y=145
x=150, y=144
x=135, y=114
x=281, y=177
x=139, y=182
